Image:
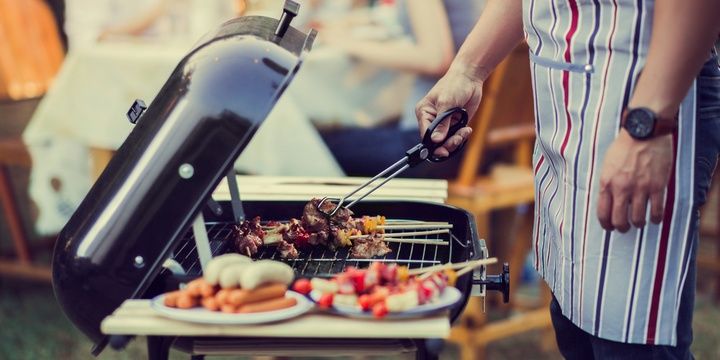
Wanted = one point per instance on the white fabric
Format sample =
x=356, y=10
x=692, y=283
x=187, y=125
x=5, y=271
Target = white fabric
x=86, y=108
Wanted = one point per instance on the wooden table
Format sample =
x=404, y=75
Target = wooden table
x=310, y=334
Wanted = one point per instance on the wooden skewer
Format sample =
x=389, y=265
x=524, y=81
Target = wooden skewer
x=397, y=227
x=415, y=226
x=404, y=234
x=462, y=265
x=417, y=241
x=474, y=265
x=414, y=222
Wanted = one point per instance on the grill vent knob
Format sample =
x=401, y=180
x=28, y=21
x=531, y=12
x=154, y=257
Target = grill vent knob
x=500, y=282
x=136, y=110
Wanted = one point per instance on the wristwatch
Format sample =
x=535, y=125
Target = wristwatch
x=644, y=124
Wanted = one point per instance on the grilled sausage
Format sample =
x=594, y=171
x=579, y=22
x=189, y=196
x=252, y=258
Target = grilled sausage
x=186, y=301
x=244, y=296
x=227, y=308
x=216, y=265
x=269, y=305
x=222, y=296
x=194, y=287
x=264, y=272
x=207, y=290
x=171, y=298
x=210, y=303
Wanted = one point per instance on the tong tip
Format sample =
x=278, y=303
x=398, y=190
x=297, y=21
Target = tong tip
x=335, y=208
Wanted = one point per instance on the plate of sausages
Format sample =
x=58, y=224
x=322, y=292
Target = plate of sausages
x=235, y=290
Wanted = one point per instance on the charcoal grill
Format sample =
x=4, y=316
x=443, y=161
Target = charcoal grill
x=149, y=222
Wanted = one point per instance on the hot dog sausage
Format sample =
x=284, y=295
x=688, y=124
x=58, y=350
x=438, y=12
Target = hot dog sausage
x=194, y=287
x=186, y=301
x=222, y=296
x=227, y=308
x=171, y=298
x=244, y=296
x=269, y=305
x=210, y=303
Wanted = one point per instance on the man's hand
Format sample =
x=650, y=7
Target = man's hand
x=456, y=88
x=633, y=173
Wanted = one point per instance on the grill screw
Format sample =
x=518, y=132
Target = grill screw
x=139, y=262
x=186, y=171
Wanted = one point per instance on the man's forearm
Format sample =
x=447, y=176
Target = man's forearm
x=682, y=35
x=494, y=36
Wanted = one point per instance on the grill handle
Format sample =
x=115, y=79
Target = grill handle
x=500, y=282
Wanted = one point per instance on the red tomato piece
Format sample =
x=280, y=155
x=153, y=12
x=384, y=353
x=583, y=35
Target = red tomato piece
x=380, y=310
x=358, y=279
x=326, y=301
x=365, y=302
x=302, y=286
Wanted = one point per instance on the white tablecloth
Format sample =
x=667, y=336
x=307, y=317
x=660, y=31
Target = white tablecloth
x=87, y=103
x=86, y=108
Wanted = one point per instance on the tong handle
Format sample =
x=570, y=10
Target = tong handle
x=430, y=145
x=414, y=156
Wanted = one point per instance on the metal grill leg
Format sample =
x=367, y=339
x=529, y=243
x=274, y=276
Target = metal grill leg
x=159, y=347
x=428, y=349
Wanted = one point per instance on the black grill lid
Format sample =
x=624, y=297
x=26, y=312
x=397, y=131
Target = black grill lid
x=187, y=140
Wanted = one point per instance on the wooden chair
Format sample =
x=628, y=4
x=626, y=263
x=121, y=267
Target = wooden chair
x=503, y=121
x=708, y=261
x=31, y=53
x=14, y=154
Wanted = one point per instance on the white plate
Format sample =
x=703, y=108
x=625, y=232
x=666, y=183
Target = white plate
x=447, y=299
x=205, y=316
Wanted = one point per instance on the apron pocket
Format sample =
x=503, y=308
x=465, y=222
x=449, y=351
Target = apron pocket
x=562, y=65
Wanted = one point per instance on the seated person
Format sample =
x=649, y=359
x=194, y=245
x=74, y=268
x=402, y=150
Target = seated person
x=437, y=29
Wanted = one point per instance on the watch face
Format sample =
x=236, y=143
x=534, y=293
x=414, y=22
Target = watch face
x=640, y=123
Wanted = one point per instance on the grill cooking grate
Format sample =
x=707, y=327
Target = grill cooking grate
x=321, y=261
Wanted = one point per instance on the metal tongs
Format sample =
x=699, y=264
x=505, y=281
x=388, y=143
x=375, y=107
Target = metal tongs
x=413, y=157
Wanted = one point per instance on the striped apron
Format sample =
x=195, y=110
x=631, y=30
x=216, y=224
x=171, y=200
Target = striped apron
x=585, y=58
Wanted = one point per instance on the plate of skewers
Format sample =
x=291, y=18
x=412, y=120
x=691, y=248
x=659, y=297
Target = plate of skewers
x=389, y=291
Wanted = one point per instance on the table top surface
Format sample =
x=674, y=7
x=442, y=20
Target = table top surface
x=136, y=317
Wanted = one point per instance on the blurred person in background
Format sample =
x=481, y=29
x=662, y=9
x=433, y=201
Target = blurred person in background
x=90, y=21
x=87, y=21
x=130, y=44
x=436, y=29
